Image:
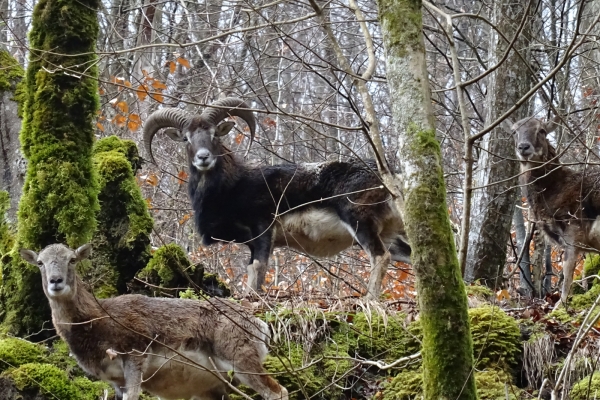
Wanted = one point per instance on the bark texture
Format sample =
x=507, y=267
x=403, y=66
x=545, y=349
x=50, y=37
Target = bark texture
x=447, y=345
x=60, y=193
x=12, y=163
x=496, y=171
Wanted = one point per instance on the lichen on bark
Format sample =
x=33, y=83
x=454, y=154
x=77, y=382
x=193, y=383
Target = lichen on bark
x=447, y=344
x=59, y=200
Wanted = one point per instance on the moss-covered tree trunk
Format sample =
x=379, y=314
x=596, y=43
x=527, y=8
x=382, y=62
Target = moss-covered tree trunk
x=447, y=345
x=60, y=195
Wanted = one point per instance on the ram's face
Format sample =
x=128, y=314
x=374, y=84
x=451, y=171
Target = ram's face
x=204, y=144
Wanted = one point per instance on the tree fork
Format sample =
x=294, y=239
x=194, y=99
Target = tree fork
x=447, y=345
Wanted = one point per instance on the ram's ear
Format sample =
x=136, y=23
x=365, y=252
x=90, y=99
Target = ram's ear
x=551, y=125
x=224, y=128
x=84, y=252
x=30, y=256
x=175, y=134
x=508, y=124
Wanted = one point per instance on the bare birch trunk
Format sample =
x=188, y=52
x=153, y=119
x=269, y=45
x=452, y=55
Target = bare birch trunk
x=447, y=345
x=496, y=172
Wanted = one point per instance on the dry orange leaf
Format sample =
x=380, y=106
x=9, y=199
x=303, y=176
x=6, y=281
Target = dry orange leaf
x=119, y=120
x=133, y=126
x=172, y=66
x=185, y=218
x=183, y=62
x=502, y=295
x=135, y=118
x=128, y=84
x=100, y=126
x=142, y=92
x=152, y=180
x=239, y=137
x=158, y=97
x=121, y=105
x=149, y=203
x=182, y=176
x=101, y=91
x=158, y=85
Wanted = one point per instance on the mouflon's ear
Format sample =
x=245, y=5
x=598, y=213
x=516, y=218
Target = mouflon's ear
x=30, y=256
x=84, y=252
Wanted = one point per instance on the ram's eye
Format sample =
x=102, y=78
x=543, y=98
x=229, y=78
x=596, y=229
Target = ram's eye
x=73, y=260
x=41, y=264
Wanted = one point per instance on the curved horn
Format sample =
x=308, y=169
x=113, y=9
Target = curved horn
x=230, y=106
x=163, y=118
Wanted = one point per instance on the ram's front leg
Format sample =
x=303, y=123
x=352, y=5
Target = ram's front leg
x=133, y=371
x=260, y=251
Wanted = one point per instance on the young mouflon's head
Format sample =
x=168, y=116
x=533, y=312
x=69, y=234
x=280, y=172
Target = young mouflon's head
x=531, y=143
x=57, y=264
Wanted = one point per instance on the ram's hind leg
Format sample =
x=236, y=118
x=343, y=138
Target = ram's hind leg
x=571, y=255
x=368, y=237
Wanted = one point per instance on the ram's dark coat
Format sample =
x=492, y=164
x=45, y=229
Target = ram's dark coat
x=317, y=208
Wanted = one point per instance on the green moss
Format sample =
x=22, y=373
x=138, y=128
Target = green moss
x=591, y=266
x=447, y=344
x=48, y=379
x=165, y=270
x=10, y=71
x=584, y=301
x=496, y=338
x=388, y=340
x=59, y=200
x=587, y=388
x=491, y=385
x=59, y=356
x=7, y=236
x=405, y=14
x=407, y=385
x=122, y=238
x=16, y=352
x=480, y=291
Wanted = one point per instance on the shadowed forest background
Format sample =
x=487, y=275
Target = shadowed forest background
x=315, y=75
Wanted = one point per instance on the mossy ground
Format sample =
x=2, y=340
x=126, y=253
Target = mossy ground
x=587, y=388
x=167, y=268
x=33, y=368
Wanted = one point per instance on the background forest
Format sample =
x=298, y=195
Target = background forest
x=315, y=74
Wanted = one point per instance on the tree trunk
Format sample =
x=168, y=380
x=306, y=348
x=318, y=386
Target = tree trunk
x=496, y=172
x=447, y=345
x=12, y=164
x=525, y=281
x=60, y=195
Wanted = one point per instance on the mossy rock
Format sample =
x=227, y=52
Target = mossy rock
x=385, y=339
x=587, y=388
x=15, y=352
x=407, y=385
x=165, y=270
x=491, y=385
x=48, y=379
x=480, y=291
x=122, y=239
x=580, y=302
x=496, y=338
